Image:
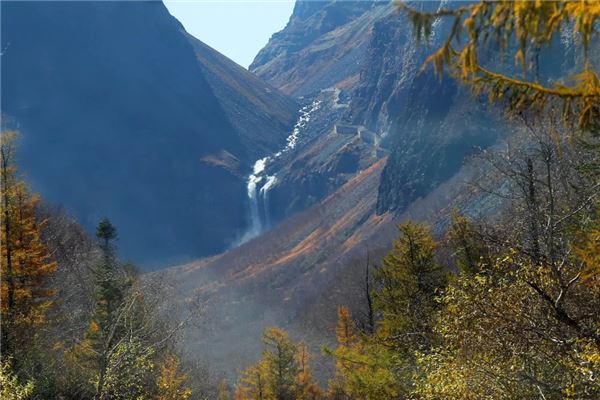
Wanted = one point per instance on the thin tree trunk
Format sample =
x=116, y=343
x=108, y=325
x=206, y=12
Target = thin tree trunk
x=10, y=303
x=531, y=201
x=370, y=314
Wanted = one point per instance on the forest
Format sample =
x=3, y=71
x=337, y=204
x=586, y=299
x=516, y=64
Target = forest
x=503, y=307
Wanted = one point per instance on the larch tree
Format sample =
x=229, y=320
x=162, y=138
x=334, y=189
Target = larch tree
x=282, y=373
x=25, y=262
x=252, y=384
x=382, y=365
x=520, y=28
x=408, y=283
x=306, y=389
x=280, y=363
x=364, y=368
x=171, y=381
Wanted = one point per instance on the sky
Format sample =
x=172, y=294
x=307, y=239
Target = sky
x=236, y=28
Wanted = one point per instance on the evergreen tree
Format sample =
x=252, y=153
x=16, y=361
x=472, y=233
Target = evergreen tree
x=105, y=338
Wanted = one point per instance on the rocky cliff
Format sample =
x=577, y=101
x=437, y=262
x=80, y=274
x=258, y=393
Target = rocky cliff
x=428, y=126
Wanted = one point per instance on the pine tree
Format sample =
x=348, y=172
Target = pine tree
x=105, y=338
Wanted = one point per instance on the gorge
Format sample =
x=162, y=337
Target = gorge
x=265, y=196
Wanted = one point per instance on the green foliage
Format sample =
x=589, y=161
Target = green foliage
x=502, y=339
x=408, y=283
x=106, y=230
x=279, y=360
x=470, y=252
x=129, y=371
x=10, y=387
x=383, y=365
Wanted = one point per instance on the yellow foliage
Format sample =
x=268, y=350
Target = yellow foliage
x=530, y=26
x=587, y=252
x=25, y=265
x=283, y=372
x=171, y=381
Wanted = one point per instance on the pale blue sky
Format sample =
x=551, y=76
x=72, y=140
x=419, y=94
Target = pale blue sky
x=236, y=28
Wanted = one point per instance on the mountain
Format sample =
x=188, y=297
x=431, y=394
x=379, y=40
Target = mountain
x=377, y=142
x=428, y=126
x=323, y=44
x=122, y=114
x=385, y=142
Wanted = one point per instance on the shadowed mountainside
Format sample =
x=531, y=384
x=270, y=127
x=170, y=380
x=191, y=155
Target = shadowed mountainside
x=123, y=115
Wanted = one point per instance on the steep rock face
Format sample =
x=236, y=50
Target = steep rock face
x=429, y=125
x=122, y=115
x=434, y=125
x=371, y=57
x=322, y=44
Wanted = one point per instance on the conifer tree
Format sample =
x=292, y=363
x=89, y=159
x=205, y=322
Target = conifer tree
x=382, y=365
x=282, y=373
x=409, y=281
x=280, y=363
x=25, y=262
x=470, y=252
x=520, y=28
x=306, y=389
x=105, y=338
x=252, y=384
x=171, y=381
x=364, y=367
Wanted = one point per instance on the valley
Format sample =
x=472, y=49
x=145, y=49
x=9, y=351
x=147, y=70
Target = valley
x=385, y=228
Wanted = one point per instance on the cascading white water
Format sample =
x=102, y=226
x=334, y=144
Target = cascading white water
x=260, y=219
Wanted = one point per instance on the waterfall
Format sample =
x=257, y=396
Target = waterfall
x=264, y=194
x=258, y=199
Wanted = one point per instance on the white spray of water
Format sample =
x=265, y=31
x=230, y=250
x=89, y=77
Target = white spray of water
x=257, y=196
